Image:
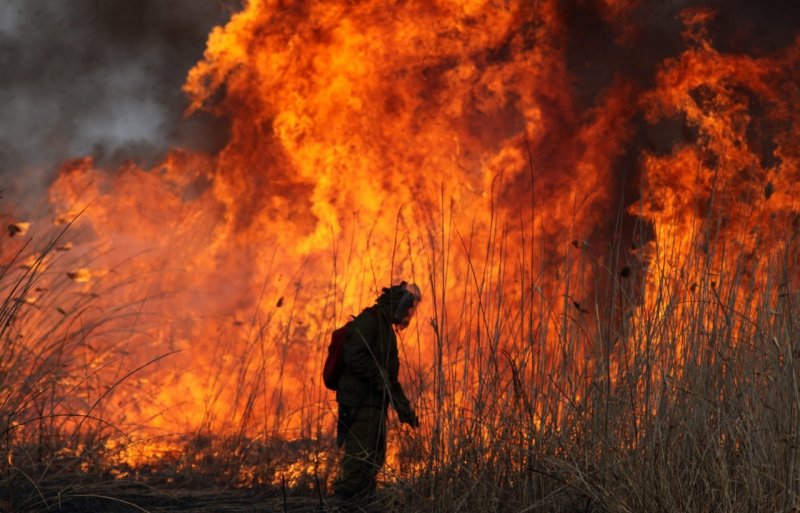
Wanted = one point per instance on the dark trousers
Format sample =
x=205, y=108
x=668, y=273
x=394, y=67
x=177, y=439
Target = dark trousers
x=364, y=432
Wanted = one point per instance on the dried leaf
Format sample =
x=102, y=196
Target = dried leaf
x=29, y=262
x=769, y=189
x=80, y=276
x=20, y=228
x=580, y=308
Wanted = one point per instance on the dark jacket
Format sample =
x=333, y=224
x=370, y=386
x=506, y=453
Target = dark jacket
x=371, y=363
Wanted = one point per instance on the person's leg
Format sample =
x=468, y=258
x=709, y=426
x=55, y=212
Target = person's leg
x=364, y=454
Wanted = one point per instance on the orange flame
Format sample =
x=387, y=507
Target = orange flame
x=439, y=142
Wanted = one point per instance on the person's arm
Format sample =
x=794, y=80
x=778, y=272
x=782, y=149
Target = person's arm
x=405, y=412
x=399, y=399
x=401, y=404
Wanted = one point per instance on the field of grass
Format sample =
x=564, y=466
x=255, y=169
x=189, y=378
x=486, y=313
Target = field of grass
x=672, y=385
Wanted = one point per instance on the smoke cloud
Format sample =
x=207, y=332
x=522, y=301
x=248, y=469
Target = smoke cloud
x=91, y=77
x=101, y=78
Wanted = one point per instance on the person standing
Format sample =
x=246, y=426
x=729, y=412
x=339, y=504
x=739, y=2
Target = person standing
x=367, y=386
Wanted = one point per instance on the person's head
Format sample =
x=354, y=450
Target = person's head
x=401, y=302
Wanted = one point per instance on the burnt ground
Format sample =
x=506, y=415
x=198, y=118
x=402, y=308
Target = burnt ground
x=133, y=497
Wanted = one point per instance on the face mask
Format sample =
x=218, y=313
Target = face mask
x=404, y=309
x=406, y=306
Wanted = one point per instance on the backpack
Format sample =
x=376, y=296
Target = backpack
x=334, y=364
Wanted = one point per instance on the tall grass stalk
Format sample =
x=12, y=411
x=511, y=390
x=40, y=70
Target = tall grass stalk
x=555, y=371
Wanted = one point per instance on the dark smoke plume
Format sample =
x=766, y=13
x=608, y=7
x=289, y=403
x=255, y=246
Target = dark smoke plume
x=100, y=78
x=103, y=78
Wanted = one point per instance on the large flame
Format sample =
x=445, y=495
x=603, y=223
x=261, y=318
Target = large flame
x=723, y=207
x=440, y=142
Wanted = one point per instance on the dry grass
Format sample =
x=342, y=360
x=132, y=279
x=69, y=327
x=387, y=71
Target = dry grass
x=686, y=402
x=570, y=394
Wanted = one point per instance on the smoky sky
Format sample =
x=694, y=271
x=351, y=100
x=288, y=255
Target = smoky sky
x=100, y=78
x=103, y=77
x=596, y=55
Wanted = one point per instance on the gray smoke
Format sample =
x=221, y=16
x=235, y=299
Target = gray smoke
x=100, y=78
x=103, y=77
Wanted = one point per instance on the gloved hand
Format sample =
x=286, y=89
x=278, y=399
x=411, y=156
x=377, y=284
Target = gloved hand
x=406, y=415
